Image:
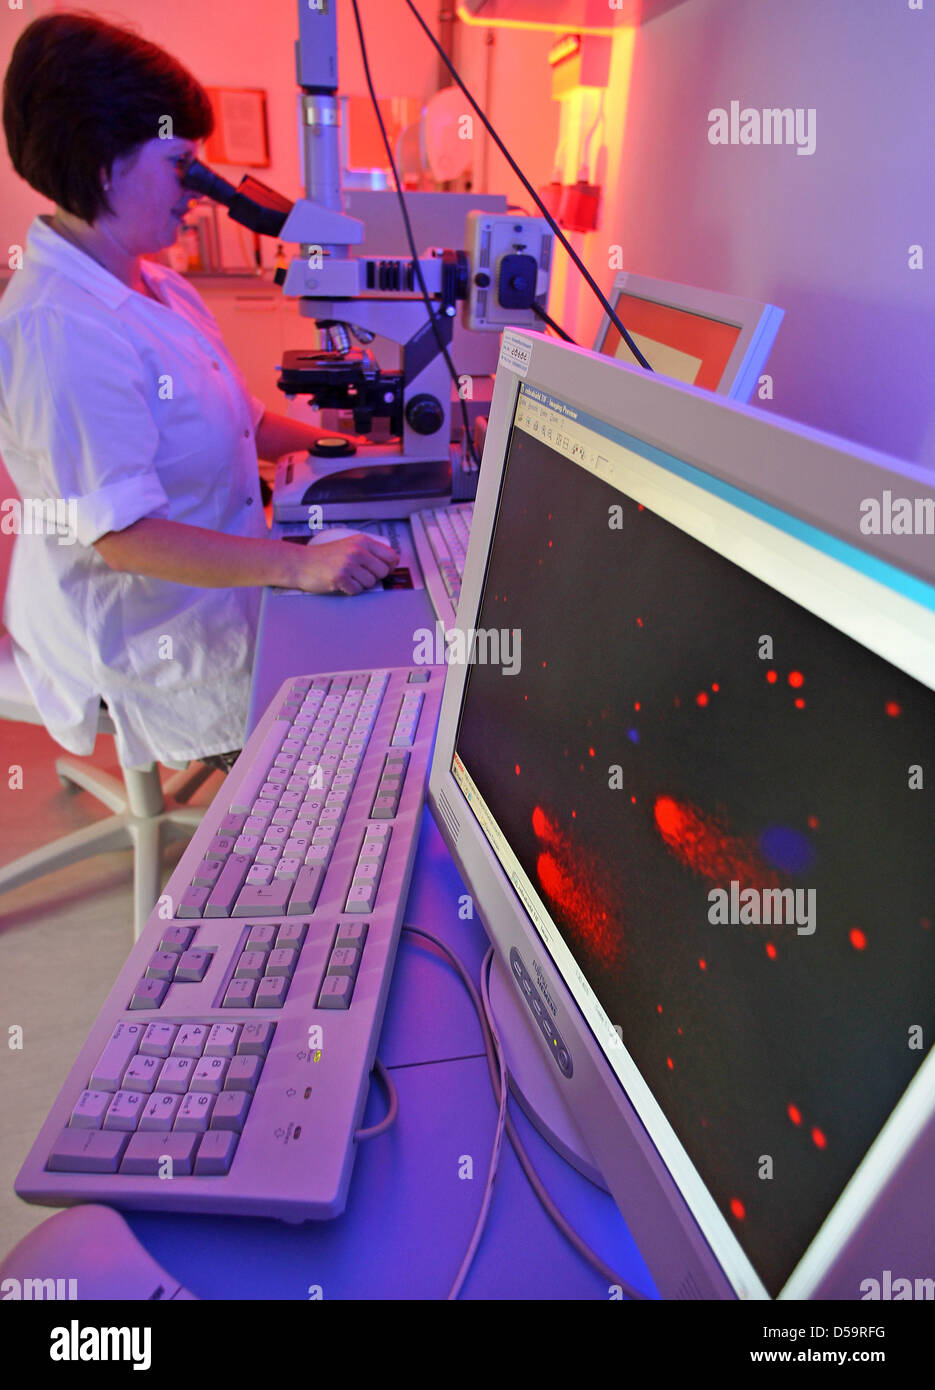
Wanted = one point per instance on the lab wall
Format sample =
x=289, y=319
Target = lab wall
x=832, y=236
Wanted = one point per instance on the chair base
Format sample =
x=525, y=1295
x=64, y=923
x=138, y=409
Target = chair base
x=141, y=822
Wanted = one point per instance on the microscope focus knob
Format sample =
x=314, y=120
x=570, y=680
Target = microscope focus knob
x=425, y=414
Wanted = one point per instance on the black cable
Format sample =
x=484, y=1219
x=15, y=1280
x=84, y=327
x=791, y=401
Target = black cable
x=531, y=191
x=555, y=327
x=468, y=441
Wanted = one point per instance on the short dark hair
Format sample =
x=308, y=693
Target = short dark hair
x=80, y=93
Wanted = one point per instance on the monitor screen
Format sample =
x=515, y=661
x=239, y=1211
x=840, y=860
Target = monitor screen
x=704, y=796
x=690, y=347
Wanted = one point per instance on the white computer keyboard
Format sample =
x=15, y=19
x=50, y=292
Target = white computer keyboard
x=440, y=536
x=229, y=1067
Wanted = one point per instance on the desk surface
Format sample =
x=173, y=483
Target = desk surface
x=416, y=1190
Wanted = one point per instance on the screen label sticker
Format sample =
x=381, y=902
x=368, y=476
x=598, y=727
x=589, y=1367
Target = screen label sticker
x=515, y=352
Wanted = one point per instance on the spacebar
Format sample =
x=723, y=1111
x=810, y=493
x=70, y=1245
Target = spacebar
x=262, y=761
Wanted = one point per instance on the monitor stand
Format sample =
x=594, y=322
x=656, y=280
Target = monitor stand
x=533, y=1080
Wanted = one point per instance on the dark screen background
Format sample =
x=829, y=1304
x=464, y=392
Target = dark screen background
x=640, y=650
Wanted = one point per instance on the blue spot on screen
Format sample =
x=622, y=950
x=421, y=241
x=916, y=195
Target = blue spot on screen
x=787, y=849
x=633, y=735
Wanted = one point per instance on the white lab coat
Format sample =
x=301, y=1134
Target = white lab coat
x=125, y=408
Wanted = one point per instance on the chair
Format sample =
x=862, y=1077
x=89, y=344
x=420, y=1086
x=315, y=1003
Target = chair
x=141, y=820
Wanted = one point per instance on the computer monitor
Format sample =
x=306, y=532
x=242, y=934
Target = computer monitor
x=701, y=337
x=686, y=780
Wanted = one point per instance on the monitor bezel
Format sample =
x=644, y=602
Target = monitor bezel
x=765, y=457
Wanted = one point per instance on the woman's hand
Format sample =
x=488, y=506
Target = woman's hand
x=347, y=566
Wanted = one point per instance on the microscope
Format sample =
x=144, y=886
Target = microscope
x=409, y=459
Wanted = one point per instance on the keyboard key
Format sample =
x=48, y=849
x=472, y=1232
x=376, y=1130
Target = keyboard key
x=336, y=992
x=352, y=934
x=276, y=835
x=291, y=935
x=142, y=1074
x=176, y=939
x=162, y=965
x=344, y=961
x=148, y=994
x=191, y=1040
x=256, y=1039
x=176, y=1074
x=114, y=1059
x=146, y=1154
x=193, y=966
x=260, y=874
x=261, y=937
x=87, y=1151
x=257, y=901
x=271, y=992
x=209, y=1074
x=231, y=1108
x=281, y=961
x=307, y=887
x=158, y=1038
x=206, y=875
x=194, y=1112
x=215, y=1153
x=243, y=1073
x=222, y=1040
x=124, y=1111
x=360, y=898
x=220, y=847
x=193, y=901
x=231, y=825
x=239, y=994
x=90, y=1109
x=225, y=891
x=160, y=1111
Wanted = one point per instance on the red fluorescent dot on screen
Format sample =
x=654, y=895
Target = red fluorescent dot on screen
x=679, y=1031
x=550, y=545
x=795, y=1114
x=517, y=769
x=591, y=752
x=636, y=705
x=639, y=506
x=771, y=950
x=525, y=697
x=702, y=965
x=715, y=687
x=670, y=1064
x=818, y=1139
x=574, y=815
x=858, y=939
x=737, y=1208
x=701, y=698
x=543, y=664
x=772, y=677
x=639, y=622
x=658, y=1008
x=540, y=824
x=676, y=702
x=813, y=822
x=632, y=800
x=893, y=709
x=925, y=922
x=800, y=703
x=796, y=679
